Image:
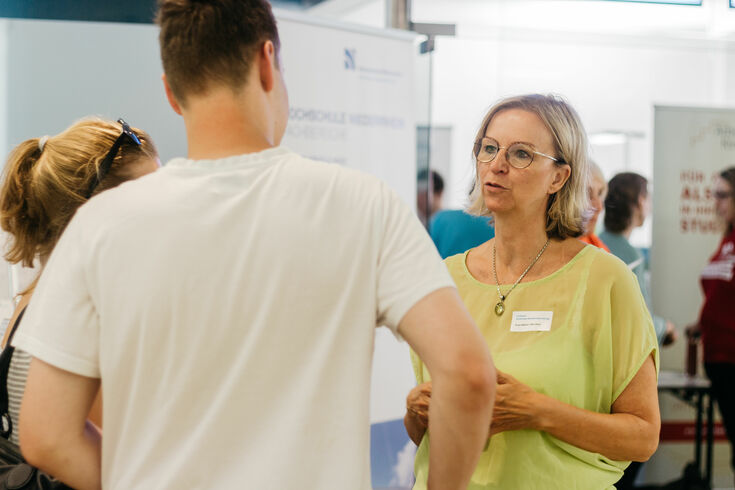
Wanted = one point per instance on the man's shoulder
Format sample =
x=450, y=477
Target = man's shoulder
x=351, y=187
x=130, y=192
x=165, y=189
x=318, y=169
x=124, y=204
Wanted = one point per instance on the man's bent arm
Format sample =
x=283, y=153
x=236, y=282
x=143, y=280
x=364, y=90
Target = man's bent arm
x=443, y=334
x=55, y=435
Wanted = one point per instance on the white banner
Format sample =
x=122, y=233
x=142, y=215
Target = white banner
x=691, y=147
x=350, y=92
x=351, y=97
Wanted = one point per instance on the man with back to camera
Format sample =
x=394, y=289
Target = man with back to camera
x=228, y=301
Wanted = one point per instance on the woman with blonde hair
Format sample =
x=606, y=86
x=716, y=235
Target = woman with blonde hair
x=45, y=180
x=570, y=333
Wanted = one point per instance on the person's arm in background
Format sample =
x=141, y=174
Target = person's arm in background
x=63, y=378
x=55, y=434
x=95, y=414
x=439, y=329
x=666, y=333
x=665, y=330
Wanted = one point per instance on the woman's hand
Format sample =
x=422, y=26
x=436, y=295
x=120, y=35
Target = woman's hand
x=416, y=420
x=417, y=403
x=516, y=405
x=670, y=336
x=693, y=331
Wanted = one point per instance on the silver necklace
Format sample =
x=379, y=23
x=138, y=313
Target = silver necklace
x=500, y=306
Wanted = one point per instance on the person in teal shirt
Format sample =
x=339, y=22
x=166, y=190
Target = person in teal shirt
x=626, y=207
x=454, y=231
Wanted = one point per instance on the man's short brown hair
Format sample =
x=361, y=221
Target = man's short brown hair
x=207, y=42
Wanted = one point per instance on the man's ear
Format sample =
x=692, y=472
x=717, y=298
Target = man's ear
x=170, y=96
x=267, y=65
x=561, y=175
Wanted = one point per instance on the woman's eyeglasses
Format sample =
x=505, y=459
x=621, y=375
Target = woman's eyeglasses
x=518, y=155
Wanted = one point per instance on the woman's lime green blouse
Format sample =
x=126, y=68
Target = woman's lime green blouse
x=600, y=335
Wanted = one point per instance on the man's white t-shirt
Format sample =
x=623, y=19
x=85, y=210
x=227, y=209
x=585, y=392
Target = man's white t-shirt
x=229, y=307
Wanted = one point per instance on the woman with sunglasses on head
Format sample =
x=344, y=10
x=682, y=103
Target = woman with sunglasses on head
x=45, y=180
x=716, y=323
x=571, y=336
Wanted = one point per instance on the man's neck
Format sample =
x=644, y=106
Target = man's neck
x=221, y=124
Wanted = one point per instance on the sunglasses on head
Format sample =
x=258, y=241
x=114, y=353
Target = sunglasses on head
x=104, y=167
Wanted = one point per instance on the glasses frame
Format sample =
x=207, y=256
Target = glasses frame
x=534, y=152
x=104, y=167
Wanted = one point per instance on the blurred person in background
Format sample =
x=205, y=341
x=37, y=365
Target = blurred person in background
x=716, y=323
x=437, y=192
x=597, y=191
x=429, y=193
x=627, y=205
x=455, y=231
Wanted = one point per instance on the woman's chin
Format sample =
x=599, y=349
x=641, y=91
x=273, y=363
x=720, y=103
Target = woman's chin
x=496, y=206
x=496, y=211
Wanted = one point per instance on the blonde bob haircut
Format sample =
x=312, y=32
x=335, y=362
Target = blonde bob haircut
x=46, y=179
x=568, y=209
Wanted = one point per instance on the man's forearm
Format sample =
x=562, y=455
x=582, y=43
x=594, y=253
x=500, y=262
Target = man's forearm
x=459, y=416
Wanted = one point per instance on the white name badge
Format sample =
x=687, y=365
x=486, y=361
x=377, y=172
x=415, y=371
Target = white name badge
x=531, y=321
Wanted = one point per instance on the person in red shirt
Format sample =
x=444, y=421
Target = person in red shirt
x=717, y=318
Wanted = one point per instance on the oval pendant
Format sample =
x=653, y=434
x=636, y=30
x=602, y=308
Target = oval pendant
x=499, y=308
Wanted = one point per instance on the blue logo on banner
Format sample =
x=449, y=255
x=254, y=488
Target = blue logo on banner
x=349, y=59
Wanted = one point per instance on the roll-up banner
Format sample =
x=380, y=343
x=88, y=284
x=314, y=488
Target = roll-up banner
x=351, y=97
x=691, y=146
x=351, y=94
